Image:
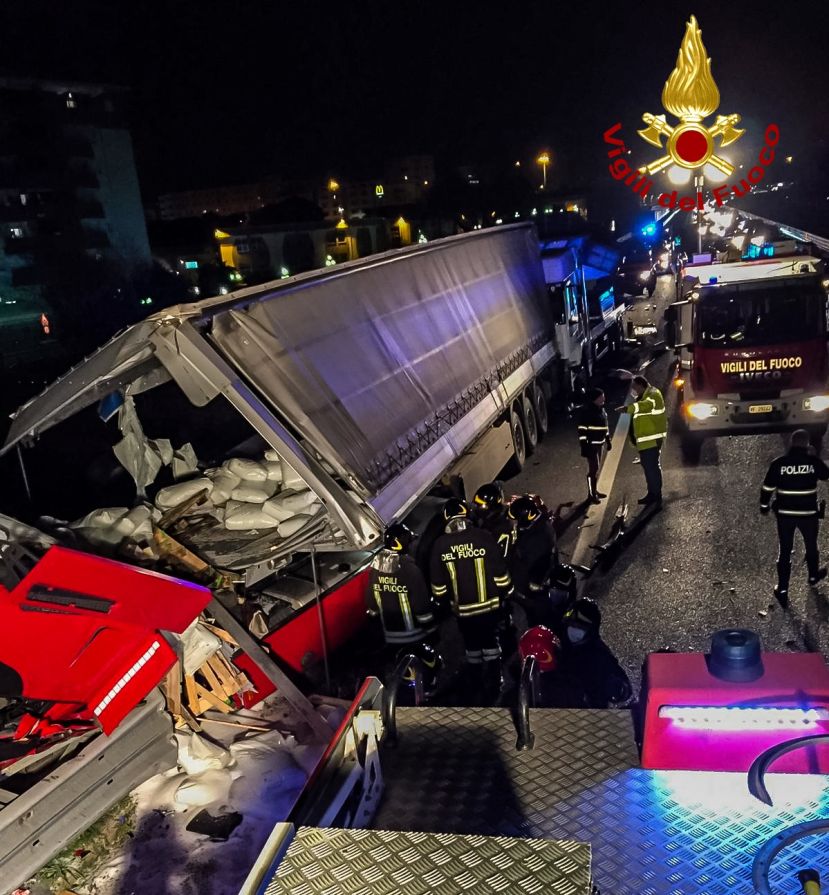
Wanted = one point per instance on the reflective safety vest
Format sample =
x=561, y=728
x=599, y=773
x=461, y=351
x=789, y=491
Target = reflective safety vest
x=650, y=422
x=791, y=481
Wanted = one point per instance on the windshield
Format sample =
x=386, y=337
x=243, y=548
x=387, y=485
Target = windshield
x=754, y=315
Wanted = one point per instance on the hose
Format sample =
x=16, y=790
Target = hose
x=526, y=695
x=391, y=689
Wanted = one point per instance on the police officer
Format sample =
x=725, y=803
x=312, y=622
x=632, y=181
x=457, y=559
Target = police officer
x=594, y=434
x=649, y=426
x=589, y=660
x=397, y=591
x=469, y=569
x=790, y=489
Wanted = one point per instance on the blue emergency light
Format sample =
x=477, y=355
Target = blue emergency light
x=649, y=230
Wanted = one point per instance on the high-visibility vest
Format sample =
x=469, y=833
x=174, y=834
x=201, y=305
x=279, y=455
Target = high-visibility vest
x=650, y=422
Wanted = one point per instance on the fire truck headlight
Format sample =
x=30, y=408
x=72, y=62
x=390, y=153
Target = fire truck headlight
x=702, y=411
x=817, y=403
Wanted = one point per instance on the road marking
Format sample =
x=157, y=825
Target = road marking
x=595, y=515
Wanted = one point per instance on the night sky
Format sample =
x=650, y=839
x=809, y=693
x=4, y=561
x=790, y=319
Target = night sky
x=227, y=92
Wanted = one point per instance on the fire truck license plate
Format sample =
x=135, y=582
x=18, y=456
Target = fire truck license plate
x=760, y=408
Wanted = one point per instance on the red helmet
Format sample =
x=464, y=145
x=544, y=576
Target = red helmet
x=543, y=644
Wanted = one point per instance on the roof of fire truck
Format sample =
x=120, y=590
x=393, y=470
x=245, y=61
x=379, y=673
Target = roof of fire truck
x=746, y=271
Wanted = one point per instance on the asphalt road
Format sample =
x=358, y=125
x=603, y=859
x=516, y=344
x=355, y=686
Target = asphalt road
x=703, y=563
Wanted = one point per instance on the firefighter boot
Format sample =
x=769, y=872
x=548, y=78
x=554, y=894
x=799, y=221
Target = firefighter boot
x=593, y=495
x=781, y=594
x=815, y=579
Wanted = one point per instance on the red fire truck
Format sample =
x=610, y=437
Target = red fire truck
x=751, y=338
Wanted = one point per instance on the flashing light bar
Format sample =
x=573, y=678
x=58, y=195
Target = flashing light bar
x=742, y=717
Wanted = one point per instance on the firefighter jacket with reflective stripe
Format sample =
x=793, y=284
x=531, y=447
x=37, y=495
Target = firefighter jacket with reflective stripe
x=792, y=482
x=503, y=530
x=397, y=591
x=593, y=428
x=534, y=558
x=650, y=422
x=468, y=568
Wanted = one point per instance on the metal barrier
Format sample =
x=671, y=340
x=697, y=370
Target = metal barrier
x=526, y=695
x=390, y=693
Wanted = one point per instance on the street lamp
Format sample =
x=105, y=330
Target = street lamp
x=544, y=160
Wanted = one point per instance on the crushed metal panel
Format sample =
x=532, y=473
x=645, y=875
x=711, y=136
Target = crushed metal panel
x=47, y=817
x=651, y=832
x=124, y=358
x=354, y=862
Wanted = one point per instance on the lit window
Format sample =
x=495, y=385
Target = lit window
x=17, y=232
x=23, y=198
x=70, y=101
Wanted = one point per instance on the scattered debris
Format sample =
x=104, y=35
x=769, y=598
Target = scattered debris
x=763, y=613
x=718, y=583
x=666, y=570
x=732, y=590
x=218, y=828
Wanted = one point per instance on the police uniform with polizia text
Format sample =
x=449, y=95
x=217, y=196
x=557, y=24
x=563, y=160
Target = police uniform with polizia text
x=790, y=490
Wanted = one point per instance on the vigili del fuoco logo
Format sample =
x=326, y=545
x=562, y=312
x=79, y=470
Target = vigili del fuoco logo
x=691, y=95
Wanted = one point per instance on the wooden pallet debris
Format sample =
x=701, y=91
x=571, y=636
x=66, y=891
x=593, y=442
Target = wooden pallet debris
x=211, y=686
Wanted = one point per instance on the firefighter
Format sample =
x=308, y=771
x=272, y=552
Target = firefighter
x=790, y=489
x=534, y=558
x=556, y=689
x=490, y=513
x=649, y=426
x=594, y=434
x=397, y=591
x=469, y=569
x=589, y=660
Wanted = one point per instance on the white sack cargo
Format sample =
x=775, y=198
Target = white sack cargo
x=173, y=495
x=247, y=470
x=247, y=517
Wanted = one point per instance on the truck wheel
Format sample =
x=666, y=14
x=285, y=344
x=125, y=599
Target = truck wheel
x=542, y=417
x=519, y=445
x=530, y=422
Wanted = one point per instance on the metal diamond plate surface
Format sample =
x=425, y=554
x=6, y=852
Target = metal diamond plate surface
x=381, y=862
x=652, y=832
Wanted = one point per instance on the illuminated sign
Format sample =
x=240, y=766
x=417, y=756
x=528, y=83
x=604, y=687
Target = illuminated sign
x=379, y=191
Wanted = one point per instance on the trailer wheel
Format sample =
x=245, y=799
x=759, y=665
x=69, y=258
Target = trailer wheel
x=519, y=444
x=542, y=416
x=530, y=422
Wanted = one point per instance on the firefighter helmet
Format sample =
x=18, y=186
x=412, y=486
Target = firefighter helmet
x=541, y=643
x=431, y=663
x=582, y=620
x=398, y=537
x=455, y=509
x=526, y=510
x=489, y=498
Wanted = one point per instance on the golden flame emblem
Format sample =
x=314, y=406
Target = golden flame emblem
x=691, y=94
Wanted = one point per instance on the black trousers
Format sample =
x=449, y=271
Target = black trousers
x=652, y=467
x=480, y=637
x=593, y=455
x=786, y=528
